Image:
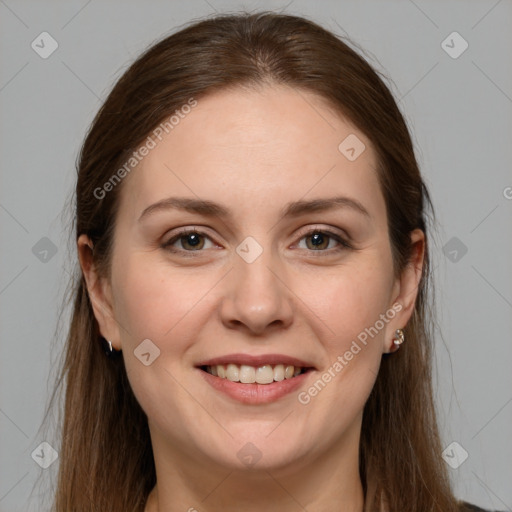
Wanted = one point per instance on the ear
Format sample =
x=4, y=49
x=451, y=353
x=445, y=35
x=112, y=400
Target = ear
x=405, y=288
x=100, y=293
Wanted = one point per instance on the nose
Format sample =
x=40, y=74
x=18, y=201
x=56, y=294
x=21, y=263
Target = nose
x=257, y=299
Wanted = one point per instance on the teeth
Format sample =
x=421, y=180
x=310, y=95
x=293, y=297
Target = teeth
x=264, y=374
x=288, y=372
x=279, y=372
x=232, y=372
x=245, y=374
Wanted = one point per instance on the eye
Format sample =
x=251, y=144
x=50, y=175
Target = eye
x=323, y=240
x=190, y=241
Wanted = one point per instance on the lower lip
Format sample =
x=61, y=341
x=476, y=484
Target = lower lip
x=255, y=393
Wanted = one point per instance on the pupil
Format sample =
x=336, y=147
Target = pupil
x=318, y=239
x=193, y=239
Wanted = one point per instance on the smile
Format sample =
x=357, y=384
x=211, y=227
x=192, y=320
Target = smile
x=255, y=379
x=245, y=374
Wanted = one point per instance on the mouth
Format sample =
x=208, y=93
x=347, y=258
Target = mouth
x=264, y=374
x=255, y=379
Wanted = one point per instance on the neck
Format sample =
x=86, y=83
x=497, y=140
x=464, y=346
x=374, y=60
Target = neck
x=329, y=482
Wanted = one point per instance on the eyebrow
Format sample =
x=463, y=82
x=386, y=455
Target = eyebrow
x=212, y=209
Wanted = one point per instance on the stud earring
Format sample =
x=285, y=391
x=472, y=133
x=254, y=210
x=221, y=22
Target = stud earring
x=399, y=338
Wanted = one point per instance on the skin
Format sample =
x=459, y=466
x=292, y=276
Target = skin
x=253, y=152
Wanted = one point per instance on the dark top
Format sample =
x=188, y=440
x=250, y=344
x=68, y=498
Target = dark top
x=468, y=507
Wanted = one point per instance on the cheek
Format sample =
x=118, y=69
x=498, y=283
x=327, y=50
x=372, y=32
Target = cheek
x=155, y=302
x=153, y=299
x=350, y=302
x=351, y=308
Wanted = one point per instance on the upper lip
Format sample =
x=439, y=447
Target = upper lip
x=256, y=361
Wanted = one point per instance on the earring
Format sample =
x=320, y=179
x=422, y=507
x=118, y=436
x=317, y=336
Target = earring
x=399, y=338
x=110, y=351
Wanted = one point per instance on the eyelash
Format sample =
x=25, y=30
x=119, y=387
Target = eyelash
x=343, y=244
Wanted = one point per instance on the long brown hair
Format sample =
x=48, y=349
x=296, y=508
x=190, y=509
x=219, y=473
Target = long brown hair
x=106, y=458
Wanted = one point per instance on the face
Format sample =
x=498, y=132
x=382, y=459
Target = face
x=269, y=281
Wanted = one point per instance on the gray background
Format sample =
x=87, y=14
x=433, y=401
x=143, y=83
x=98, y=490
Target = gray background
x=460, y=114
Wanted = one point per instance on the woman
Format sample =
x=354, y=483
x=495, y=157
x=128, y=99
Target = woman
x=253, y=246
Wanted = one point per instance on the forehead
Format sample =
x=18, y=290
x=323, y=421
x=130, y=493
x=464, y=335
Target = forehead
x=254, y=149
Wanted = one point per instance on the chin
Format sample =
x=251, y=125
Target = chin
x=263, y=451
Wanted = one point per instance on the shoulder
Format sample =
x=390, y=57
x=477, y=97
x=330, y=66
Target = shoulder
x=468, y=507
